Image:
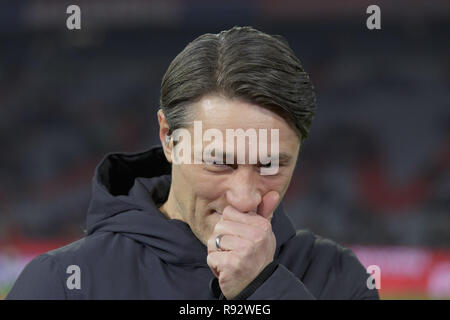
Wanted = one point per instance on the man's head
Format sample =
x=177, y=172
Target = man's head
x=238, y=79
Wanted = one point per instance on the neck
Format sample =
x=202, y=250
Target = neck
x=169, y=208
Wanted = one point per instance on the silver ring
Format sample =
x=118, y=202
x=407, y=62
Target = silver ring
x=218, y=242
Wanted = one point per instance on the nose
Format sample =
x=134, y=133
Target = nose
x=243, y=193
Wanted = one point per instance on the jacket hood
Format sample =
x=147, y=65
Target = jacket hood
x=128, y=189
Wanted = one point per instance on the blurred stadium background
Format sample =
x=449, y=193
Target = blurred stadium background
x=374, y=174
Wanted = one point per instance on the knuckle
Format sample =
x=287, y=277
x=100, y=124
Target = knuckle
x=266, y=225
x=219, y=227
x=259, y=236
x=252, y=236
x=247, y=248
x=227, y=212
x=244, y=247
x=263, y=223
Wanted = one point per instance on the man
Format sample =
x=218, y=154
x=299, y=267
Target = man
x=177, y=222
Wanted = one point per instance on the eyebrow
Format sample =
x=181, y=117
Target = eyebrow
x=283, y=157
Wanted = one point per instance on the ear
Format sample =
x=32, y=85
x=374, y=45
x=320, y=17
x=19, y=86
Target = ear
x=164, y=135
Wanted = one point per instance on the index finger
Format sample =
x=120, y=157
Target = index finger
x=247, y=218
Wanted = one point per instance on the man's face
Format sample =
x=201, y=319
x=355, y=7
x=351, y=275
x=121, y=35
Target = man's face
x=200, y=192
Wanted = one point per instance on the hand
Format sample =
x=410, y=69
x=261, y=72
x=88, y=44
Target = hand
x=248, y=245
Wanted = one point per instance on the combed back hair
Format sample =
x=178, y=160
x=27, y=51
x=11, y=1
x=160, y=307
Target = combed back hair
x=241, y=63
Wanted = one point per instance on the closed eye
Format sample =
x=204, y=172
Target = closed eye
x=220, y=166
x=267, y=165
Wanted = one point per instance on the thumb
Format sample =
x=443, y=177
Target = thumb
x=268, y=204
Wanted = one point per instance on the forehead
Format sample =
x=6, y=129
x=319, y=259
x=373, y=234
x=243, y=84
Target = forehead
x=222, y=113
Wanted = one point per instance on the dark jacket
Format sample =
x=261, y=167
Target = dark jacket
x=132, y=251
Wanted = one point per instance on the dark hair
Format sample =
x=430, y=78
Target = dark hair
x=239, y=63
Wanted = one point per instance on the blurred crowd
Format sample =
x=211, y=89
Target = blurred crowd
x=375, y=170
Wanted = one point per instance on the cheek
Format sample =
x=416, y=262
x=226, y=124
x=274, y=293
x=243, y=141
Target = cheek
x=278, y=183
x=200, y=184
x=209, y=188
